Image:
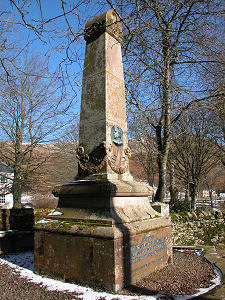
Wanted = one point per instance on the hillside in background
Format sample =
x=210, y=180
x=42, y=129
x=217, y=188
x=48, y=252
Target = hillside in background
x=61, y=167
x=58, y=164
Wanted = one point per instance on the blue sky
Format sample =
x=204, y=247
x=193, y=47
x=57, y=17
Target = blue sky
x=55, y=38
x=53, y=44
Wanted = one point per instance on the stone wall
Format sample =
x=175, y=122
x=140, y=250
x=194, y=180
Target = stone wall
x=16, y=230
x=16, y=219
x=203, y=228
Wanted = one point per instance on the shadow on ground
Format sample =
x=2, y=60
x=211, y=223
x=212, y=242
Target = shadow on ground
x=23, y=259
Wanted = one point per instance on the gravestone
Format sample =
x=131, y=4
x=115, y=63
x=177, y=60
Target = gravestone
x=104, y=232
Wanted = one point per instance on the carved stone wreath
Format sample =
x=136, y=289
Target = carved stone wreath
x=94, y=162
x=124, y=162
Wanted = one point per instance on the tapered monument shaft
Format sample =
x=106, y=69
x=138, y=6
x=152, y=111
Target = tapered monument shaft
x=103, y=151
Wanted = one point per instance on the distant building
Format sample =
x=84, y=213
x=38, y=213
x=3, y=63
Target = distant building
x=222, y=196
x=205, y=194
x=6, y=180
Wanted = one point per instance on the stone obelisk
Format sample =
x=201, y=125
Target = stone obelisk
x=104, y=231
x=103, y=153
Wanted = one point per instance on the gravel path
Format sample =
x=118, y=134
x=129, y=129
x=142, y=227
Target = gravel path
x=14, y=287
x=188, y=273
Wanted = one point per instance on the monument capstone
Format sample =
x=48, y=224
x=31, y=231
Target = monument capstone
x=104, y=231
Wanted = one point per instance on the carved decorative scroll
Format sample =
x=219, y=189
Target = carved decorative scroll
x=93, y=162
x=108, y=22
x=94, y=31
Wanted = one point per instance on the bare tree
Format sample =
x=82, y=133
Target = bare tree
x=213, y=79
x=144, y=148
x=62, y=165
x=57, y=32
x=193, y=150
x=217, y=109
x=214, y=181
x=32, y=111
x=163, y=57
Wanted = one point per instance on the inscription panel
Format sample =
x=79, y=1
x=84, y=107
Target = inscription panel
x=151, y=250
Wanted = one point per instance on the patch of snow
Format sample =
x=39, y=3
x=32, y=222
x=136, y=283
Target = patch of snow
x=23, y=264
x=5, y=231
x=46, y=221
x=55, y=213
x=26, y=198
x=26, y=205
x=26, y=259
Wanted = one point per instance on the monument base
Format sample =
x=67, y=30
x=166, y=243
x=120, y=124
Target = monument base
x=16, y=230
x=17, y=219
x=16, y=241
x=110, y=242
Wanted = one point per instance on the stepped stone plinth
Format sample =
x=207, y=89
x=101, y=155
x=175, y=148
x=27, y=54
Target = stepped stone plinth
x=104, y=231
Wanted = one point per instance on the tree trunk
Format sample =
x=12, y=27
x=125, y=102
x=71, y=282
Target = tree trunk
x=193, y=192
x=17, y=181
x=210, y=196
x=173, y=190
x=164, y=128
x=187, y=188
x=17, y=192
x=161, y=191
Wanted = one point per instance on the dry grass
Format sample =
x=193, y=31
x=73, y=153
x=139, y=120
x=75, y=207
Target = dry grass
x=43, y=201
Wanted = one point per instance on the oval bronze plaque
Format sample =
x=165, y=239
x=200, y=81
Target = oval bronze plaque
x=117, y=135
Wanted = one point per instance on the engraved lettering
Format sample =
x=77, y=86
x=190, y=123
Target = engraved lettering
x=147, y=255
x=148, y=249
x=147, y=244
x=151, y=237
x=150, y=263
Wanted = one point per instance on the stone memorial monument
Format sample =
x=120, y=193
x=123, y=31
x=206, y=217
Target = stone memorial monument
x=104, y=232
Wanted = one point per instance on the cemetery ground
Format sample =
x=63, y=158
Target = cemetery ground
x=189, y=273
